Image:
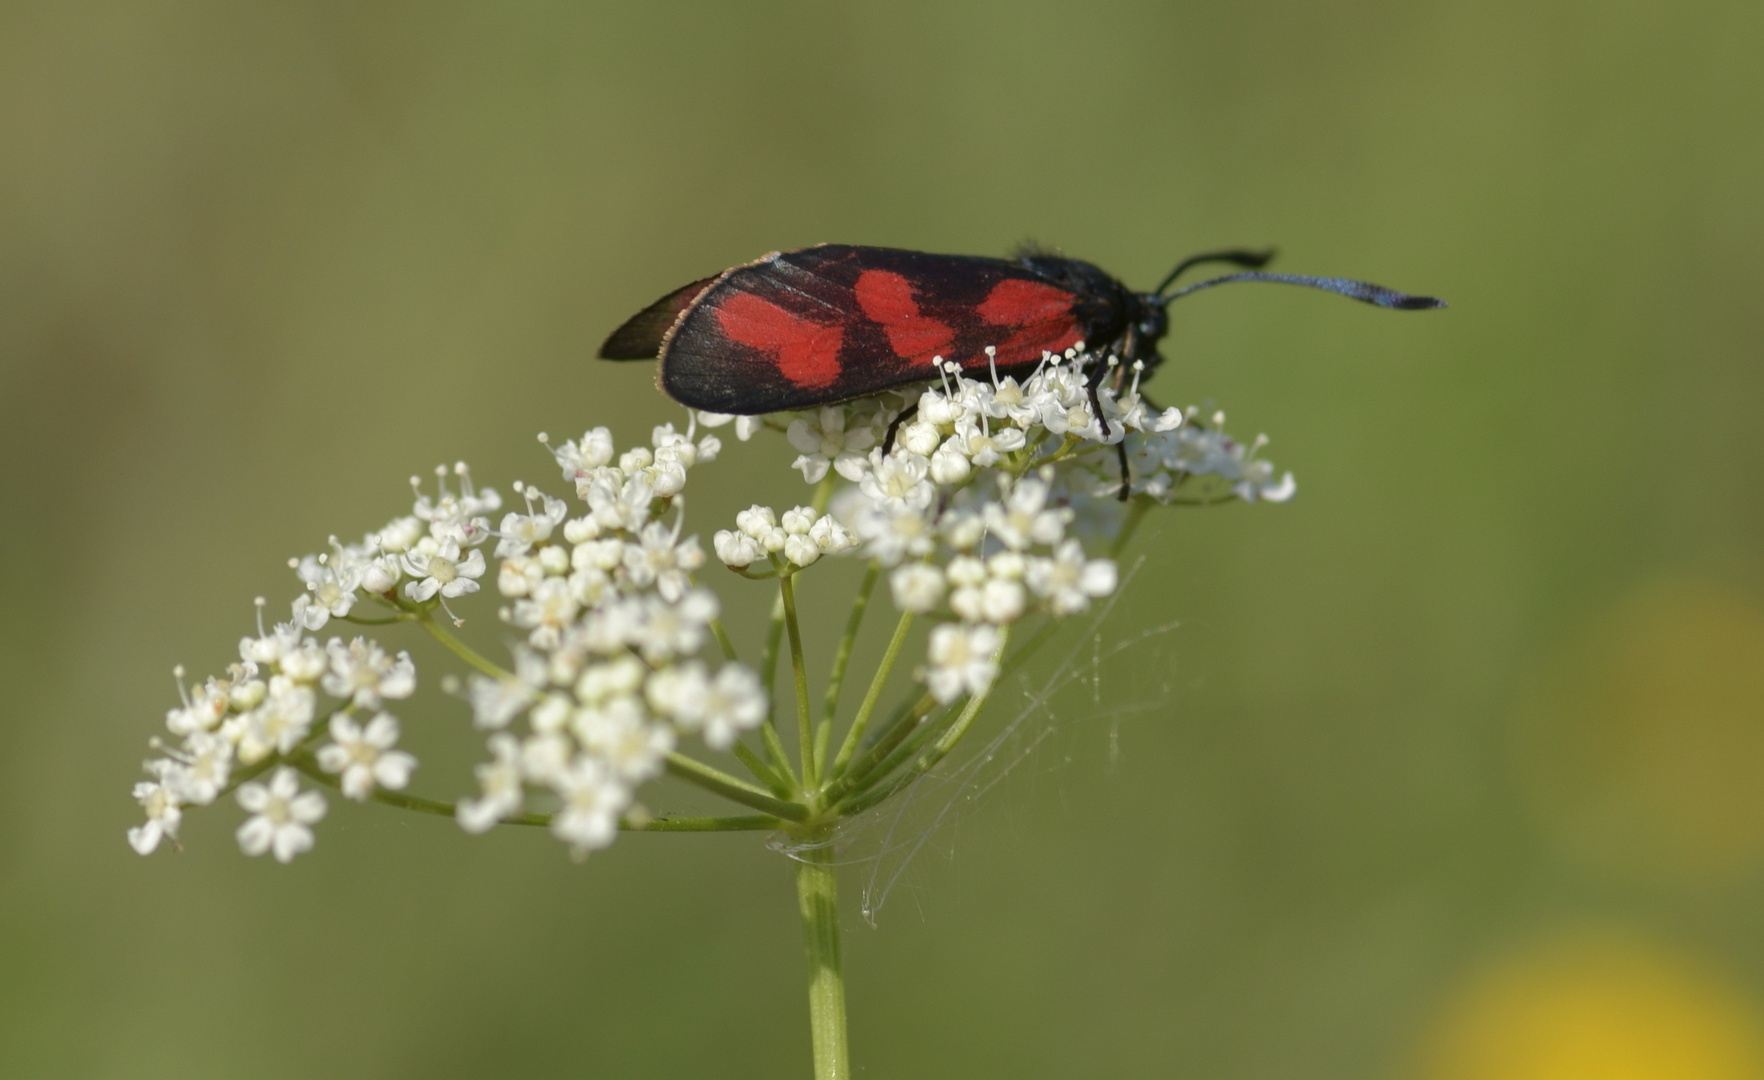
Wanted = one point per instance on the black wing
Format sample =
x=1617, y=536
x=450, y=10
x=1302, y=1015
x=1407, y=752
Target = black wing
x=640, y=338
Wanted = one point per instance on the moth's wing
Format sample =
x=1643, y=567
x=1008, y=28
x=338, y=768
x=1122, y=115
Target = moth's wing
x=640, y=338
x=835, y=322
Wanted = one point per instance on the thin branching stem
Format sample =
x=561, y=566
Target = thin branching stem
x=733, y=788
x=461, y=649
x=763, y=772
x=799, y=670
x=880, y=757
x=740, y=823
x=854, y=737
x=841, y=659
x=769, y=678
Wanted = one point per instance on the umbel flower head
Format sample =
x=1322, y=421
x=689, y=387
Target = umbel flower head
x=978, y=504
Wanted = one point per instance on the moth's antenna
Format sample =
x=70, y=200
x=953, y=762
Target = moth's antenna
x=1255, y=260
x=1357, y=290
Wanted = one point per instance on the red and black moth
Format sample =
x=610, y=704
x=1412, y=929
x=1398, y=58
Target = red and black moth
x=834, y=322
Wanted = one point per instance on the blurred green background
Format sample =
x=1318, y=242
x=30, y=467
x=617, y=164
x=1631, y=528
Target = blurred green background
x=1452, y=771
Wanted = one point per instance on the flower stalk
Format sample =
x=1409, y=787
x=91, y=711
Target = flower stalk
x=817, y=898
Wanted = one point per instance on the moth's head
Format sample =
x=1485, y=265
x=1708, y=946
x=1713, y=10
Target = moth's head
x=1151, y=323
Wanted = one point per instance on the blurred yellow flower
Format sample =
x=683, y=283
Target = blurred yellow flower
x=1602, y=1006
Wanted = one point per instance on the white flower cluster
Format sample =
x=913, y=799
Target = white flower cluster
x=980, y=552
x=608, y=678
x=975, y=497
x=1162, y=461
x=263, y=711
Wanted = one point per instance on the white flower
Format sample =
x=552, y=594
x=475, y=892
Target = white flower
x=279, y=724
x=330, y=591
x=200, y=768
x=1068, y=581
x=830, y=537
x=624, y=505
x=675, y=629
x=282, y=816
x=721, y=708
x=1258, y=483
x=1001, y=602
x=661, y=558
x=918, y=438
x=738, y=551
x=520, y=532
x=963, y=529
x=949, y=466
x=518, y=574
x=500, y=781
x=823, y=441
x=962, y=661
x=734, y=702
x=917, y=587
x=439, y=569
x=399, y=535
x=458, y=518
x=267, y=649
x=380, y=575
x=362, y=672
x=1011, y=401
x=983, y=444
x=893, y=534
x=619, y=677
x=617, y=732
x=201, y=710
x=306, y=663
x=365, y=756
x=1024, y=519
x=163, y=816
x=898, y=481
x=495, y=702
x=801, y=550
x=578, y=460
x=761, y=525
x=592, y=801
x=552, y=607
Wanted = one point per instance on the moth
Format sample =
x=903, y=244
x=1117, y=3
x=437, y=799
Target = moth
x=825, y=324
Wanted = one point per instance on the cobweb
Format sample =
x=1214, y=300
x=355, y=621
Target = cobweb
x=886, y=839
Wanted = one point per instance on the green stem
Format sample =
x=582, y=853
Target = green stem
x=461, y=649
x=817, y=898
x=872, y=695
x=804, y=725
x=739, y=823
x=842, y=659
x=723, y=642
x=769, y=676
x=733, y=789
x=762, y=772
x=823, y=493
x=885, y=753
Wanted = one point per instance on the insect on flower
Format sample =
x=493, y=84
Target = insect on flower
x=825, y=324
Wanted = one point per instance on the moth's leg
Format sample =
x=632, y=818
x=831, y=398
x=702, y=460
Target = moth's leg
x=894, y=427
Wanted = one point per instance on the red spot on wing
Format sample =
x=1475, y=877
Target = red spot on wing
x=1026, y=345
x=807, y=353
x=1014, y=301
x=887, y=299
